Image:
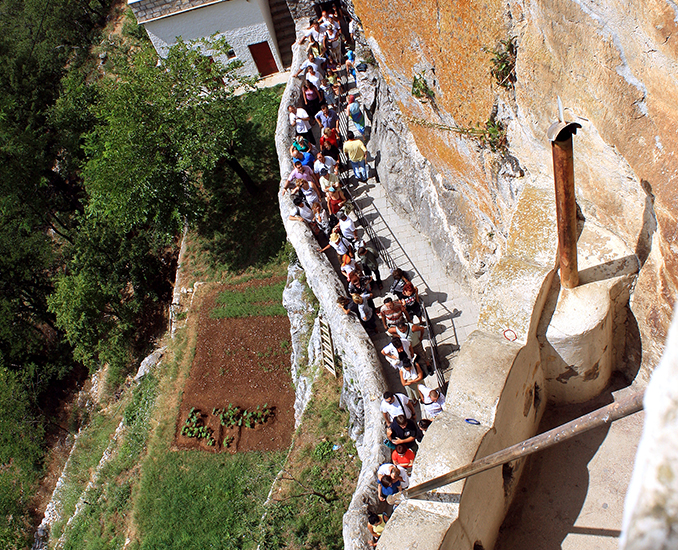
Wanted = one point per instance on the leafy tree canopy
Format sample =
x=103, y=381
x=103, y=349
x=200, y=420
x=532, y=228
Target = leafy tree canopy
x=162, y=124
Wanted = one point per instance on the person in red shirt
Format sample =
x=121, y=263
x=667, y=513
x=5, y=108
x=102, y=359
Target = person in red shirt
x=402, y=456
x=329, y=143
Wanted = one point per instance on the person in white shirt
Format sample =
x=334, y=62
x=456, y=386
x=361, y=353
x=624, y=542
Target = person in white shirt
x=313, y=77
x=395, y=404
x=340, y=245
x=327, y=180
x=301, y=121
x=347, y=227
x=301, y=212
x=311, y=61
x=396, y=472
x=393, y=350
x=325, y=162
x=317, y=31
x=334, y=42
x=432, y=400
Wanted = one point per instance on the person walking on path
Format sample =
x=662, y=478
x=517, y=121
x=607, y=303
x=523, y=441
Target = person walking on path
x=357, y=153
x=375, y=525
x=432, y=400
x=392, y=312
x=403, y=431
x=410, y=375
x=395, y=404
x=370, y=262
x=326, y=117
x=355, y=113
x=413, y=334
x=365, y=312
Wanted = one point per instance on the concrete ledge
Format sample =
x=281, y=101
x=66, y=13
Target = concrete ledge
x=520, y=282
x=498, y=383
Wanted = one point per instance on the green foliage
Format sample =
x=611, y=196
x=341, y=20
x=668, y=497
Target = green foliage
x=20, y=454
x=131, y=29
x=194, y=427
x=161, y=125
x=103, y=300
x=193, y=501
x=253, y=301
x=309, y=513
x=421, y=89
x=239, y=229
x=235, y=416
x=323, y=451
x=504, y=63
x=491, y=134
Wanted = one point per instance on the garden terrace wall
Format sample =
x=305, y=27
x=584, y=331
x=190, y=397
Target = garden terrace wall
x=363, y=379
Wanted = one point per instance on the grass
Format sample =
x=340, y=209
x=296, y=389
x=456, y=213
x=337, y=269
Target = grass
x=101, y=524
x=196, y=500
x=89, y=448
x=319, y=480
x=253, y=301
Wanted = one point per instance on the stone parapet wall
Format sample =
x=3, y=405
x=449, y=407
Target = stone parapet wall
x=498, y=384
x=363, y=379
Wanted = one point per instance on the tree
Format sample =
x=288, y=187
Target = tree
x=163, y=124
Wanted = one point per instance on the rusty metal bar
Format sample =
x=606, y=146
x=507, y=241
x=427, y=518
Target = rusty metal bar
x=595, y=419
x=560, y=135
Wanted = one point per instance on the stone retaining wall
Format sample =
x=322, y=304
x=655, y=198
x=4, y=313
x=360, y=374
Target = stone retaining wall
x=363, y=379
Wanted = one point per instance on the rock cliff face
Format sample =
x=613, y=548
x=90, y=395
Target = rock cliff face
x=615, y=67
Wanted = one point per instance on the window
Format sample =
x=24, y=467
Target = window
x=231, y=54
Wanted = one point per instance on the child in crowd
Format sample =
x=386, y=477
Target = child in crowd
x=376, y=524
x=402, y=456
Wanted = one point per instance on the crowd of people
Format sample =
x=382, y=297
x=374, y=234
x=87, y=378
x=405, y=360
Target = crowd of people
x=324, y=203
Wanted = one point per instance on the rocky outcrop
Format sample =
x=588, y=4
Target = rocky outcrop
x=305, y=336
x=613, y=65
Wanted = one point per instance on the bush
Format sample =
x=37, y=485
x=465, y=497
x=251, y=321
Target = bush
x=20, y=455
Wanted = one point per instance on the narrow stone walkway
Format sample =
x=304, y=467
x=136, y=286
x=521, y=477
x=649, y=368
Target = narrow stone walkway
x=452, y=310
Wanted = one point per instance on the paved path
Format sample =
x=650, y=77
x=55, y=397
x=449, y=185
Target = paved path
x=452, y=311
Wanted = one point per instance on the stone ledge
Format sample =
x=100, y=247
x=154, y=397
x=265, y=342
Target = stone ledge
x=364, y=383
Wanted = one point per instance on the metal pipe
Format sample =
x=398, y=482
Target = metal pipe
x=560, y=135
x=595, y=419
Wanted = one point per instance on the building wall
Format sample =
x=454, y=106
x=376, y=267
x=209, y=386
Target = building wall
x=241, y=22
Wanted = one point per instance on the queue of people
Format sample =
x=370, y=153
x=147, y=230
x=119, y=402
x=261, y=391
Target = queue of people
x=321, y=201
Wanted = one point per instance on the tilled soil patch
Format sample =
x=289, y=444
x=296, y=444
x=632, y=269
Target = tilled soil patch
x=244, y=362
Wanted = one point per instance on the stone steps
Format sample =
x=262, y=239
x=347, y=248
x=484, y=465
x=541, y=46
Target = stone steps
x=285, y=32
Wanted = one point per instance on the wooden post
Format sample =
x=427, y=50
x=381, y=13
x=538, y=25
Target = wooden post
x=599, y=417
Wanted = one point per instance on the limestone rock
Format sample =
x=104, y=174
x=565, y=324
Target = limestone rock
x=651, y=507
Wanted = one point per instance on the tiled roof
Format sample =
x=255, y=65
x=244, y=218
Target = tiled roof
x=147, y=10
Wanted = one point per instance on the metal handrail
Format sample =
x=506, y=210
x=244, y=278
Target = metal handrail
x=434, y=349
x=386, y=258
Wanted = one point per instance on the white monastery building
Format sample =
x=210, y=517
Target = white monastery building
x=259, y=32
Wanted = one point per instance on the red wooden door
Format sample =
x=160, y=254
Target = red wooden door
x=263, y=57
